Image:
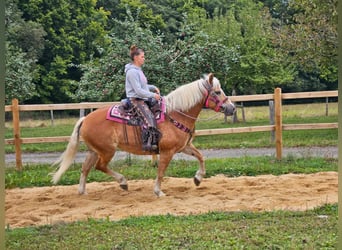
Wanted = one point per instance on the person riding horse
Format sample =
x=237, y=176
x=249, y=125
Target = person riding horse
x=138, y=91
x=103, y=137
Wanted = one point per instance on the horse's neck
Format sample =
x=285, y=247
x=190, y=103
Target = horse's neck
x=188, y=118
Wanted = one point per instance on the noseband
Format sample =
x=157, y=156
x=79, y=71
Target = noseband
x=212, y=96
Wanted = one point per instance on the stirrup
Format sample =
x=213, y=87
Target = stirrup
x=147, y=148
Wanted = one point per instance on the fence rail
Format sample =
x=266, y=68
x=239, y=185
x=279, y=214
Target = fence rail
x=277, y=128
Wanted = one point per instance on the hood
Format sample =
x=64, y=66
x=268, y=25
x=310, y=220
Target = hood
x=130, y=66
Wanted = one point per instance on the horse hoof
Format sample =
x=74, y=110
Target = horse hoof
x=197, y=181
x=124, y=186
x=159, y=194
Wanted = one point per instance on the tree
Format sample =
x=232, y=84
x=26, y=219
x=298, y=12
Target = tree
x=246, y=29
x=74, y=32
x=311, y=38
x=166, y=66
x=143, y=14
x=26, y=35
x=24, y=45
x=104, y=78
x=172, y=16
x=19, y=75
x=279, y=10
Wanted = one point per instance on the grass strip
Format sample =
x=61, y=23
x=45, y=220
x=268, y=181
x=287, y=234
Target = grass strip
x=133, y=169
x=313, y=229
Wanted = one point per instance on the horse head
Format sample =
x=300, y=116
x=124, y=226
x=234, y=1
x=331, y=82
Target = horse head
x=216, y=99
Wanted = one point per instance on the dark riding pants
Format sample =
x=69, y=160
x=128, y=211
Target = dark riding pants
x=150, y=134
x=145, y=112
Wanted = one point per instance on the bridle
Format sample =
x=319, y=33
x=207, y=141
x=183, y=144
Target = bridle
x=213, y=96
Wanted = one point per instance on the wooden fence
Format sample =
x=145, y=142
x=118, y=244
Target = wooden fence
x=278, y=126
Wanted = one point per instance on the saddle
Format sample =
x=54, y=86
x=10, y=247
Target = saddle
x=124, y=112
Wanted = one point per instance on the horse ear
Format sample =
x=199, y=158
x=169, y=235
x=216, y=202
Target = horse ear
x=210, y=78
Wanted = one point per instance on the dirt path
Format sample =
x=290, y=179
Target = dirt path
x=48, y=205
x=329, y=152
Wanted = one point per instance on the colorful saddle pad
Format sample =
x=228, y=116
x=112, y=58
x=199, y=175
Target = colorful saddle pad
x=114, y=114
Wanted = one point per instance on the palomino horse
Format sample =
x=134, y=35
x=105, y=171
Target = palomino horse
x=103, y=137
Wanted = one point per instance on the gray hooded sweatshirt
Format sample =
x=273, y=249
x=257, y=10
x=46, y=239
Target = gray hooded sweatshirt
x=136, y=83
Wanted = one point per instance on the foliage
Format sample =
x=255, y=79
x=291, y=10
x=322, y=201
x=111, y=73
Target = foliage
x=313, y=229
x=19, y=75
x=258, y=44
x=172, y=15
x=312, y=37
x=28, y=36
x=24, y=45
x=74, y=30
x=104, y=78
x=146, y=17
x=166, y=66
x=247, y=28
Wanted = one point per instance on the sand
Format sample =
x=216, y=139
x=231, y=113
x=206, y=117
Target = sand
x=56, y=204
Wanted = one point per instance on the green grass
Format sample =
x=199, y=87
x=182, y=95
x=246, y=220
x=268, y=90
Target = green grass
x=314, y=229
x=38, y=175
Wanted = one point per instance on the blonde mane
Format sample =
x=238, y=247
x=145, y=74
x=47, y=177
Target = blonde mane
x=187, y=96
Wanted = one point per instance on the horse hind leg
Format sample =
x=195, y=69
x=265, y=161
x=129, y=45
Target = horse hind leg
x=164, y=161
x=89, y=162
x=102, y=165
x=191, y=150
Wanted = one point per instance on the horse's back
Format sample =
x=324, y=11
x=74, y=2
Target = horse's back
x=96, y=118
x=97, y=130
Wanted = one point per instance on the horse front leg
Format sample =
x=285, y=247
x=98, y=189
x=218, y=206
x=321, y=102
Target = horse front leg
x=164, y=161
x=191, y=150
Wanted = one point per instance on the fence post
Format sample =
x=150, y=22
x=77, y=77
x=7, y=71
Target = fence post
x=278, y=122
x=234, y=117
x=271, y=107
x=52, y=119
x=16, y=133
x=243, y=112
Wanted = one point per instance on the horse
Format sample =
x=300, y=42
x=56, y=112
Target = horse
x=103, y=137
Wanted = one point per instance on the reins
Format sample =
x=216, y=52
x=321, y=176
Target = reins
x=198, y=119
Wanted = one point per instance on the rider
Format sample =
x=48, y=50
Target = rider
x=139, y=91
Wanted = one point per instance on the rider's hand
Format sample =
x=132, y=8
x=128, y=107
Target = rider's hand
x=157, y=96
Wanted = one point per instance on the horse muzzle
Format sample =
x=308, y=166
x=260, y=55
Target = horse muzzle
x=228, y=109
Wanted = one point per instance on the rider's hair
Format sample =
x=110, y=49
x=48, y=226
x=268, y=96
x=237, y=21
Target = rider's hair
x=135, y=51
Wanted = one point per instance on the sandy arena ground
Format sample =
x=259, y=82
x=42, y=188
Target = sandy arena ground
x=48, y=205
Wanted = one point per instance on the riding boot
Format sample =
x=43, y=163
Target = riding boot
x=146, y=140
x=156, y=135
x=154, y=143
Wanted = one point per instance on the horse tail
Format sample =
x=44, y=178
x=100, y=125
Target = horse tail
x=66, y=159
